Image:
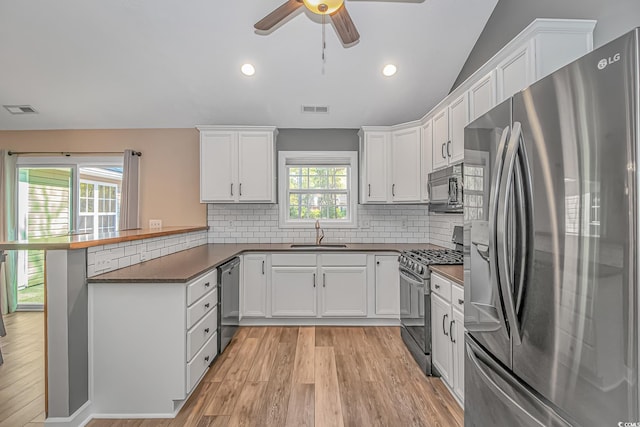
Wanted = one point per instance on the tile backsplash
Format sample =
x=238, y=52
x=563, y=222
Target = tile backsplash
x=441, y=228
x=258, y=223
x=102, y=259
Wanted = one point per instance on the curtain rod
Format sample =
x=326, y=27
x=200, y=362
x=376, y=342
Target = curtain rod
x=68, y=153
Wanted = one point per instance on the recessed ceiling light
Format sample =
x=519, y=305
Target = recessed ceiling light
x=248, y=69
x=389, y=70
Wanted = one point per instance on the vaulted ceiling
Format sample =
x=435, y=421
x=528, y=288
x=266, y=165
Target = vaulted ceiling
x=86, y=64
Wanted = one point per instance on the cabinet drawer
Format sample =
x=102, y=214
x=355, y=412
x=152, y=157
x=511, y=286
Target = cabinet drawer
x=200, y=286
x=457, y=298
x=344, y=259
x=197, y=367
x=293, y=260
x=201, y=332
x=202, y=307
x=441, y=287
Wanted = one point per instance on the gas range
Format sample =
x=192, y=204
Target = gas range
x=419, y=260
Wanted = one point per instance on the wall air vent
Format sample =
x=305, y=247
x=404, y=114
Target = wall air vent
x=20, y=109
x=315, y=109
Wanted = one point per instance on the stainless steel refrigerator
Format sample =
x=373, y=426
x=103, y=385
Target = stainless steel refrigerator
x=551, y=249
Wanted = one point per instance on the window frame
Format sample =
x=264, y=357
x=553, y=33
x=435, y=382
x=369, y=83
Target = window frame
x=348, y=159
x=96, y=214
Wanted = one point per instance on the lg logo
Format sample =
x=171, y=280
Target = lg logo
x=604, y=62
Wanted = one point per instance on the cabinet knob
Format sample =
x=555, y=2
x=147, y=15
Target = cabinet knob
x=437, y=286
x=206, y=331
x=377, y=262
x=206, y=285
x=206, y=359
x=460, y=301
x=206, y=305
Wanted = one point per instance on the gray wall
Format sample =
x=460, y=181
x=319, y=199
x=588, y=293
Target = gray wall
x=615, y=17
x=317, y=140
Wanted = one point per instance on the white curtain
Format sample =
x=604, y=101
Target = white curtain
x=129, y=203
x=8, y=195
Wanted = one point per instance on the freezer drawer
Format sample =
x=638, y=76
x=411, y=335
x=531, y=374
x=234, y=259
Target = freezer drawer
x=493, y=397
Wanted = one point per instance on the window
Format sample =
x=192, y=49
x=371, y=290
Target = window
x=98, y=207
x=318, y=186
x=476, y=185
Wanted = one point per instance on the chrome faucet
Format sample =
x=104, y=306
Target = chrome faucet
x=319, y=233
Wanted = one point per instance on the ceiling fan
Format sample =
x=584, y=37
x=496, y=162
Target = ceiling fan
x=336, y=10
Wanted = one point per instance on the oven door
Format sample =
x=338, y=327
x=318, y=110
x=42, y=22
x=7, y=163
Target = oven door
x=415, y=309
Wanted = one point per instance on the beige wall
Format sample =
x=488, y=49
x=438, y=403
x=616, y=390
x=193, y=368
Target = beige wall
x=169, y=175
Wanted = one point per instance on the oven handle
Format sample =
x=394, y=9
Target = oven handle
x=411, y=280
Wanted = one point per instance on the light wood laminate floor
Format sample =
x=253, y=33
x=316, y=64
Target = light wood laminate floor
x=314, y=376
x=22, y=374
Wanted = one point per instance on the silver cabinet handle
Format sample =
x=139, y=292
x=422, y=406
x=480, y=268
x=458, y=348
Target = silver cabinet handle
x=324, y=280
x=442, y=150
x=369, y=190
x=263, y=267
x=444, y=320
x=453, y=322
x=241, y=189
x=314, y=280
x=232, y=188
x=449, y=148
x=393, y=190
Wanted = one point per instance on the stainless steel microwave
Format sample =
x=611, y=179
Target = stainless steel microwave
x=445, y=190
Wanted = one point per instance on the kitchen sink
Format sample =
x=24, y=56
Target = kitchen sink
x=312, y=246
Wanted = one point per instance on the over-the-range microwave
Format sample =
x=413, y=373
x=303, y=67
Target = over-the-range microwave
x=445, y=190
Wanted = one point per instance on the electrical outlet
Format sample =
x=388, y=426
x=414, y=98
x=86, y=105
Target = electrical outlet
x=231, y=223
x=103, y=262
x=365, y=224
x=155, y=223
x=404, y=223
x=143, y=256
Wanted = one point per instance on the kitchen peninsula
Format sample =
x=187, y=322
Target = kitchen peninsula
x=69, y=261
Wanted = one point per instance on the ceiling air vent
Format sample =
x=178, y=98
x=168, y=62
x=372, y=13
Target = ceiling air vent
x=20, y=109
x=315, y=109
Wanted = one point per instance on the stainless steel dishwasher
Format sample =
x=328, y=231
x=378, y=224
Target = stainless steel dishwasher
x=228, y=301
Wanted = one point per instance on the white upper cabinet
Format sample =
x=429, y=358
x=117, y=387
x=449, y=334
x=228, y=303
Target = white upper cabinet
x=515, y=72
x=458, y=120
x=440, y=138
x=391, y=166
x=405, y=165
x=482, y=96
x=374, y=167
x=237, y=165
x=427, y=157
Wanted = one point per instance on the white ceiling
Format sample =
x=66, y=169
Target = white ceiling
x=91, y=64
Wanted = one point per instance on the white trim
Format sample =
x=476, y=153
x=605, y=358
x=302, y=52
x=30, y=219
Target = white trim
x=71, y=160
x=83, y=413
x=349, y=158
x=311, y=321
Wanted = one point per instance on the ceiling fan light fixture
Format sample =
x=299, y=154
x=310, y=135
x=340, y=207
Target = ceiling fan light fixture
x=248, y=70
x=389, y=70
x=323, y=7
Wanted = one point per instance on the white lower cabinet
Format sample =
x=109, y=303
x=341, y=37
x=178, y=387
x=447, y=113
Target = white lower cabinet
x=254, y=285
x=344, y=291
x=447, y=332
x=150, y=344
x=293, y=291
x=387, y=285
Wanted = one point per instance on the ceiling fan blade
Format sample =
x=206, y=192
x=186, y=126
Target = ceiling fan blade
x=344, y=25
x=272, y=19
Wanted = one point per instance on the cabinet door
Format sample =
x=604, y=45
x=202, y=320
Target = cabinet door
x=482, y=96
x=514, y=73
x=427, y=158
x=458, y=119
x=293, y=292
x=376, y=167
x=218, y=163
x=440, y=138
x=405, y=158
x=255, y=167
x=344, y=291
x=441, y=345
x=457, y=330
x=387, y=286
x=254, y=286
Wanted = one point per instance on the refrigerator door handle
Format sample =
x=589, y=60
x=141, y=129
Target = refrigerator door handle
x=493, y=215
x=502, y=254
